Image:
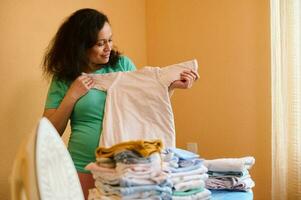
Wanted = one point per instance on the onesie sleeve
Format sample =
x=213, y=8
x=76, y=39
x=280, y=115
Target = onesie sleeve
x=56, y=93
x=171, y=73
x=104, y=81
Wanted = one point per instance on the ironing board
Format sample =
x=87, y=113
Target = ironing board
x=231, y=195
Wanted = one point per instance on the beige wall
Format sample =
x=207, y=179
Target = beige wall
x=26, y=29
x=227, y=112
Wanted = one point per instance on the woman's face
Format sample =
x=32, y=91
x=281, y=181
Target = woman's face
x=100, y=52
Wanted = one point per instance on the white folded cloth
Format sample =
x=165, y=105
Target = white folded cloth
x=181, y=179
x=230, y=164
x=198, y=171
x=140, y=174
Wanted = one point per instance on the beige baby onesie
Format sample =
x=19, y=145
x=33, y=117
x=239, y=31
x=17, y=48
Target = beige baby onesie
x=138, y=105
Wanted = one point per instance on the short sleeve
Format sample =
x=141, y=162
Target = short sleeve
x=104, y=81
x=56, y=93
x=171, y=73
x=127, y=64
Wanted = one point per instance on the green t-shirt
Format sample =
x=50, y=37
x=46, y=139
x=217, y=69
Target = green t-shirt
x=87, y=115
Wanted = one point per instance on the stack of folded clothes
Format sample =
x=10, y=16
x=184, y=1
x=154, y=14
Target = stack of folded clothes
x=130, y=170
x=230, y=173
x=188, y=174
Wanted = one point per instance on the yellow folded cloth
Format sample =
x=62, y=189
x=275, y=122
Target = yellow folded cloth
x=143, y=147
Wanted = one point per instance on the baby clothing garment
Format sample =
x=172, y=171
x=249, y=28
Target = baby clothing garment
x=204, y=195
x=143, y=147
x=130, y=181
x=188, y=176
x=230, y=164
x=138, y=104
x=230, y=173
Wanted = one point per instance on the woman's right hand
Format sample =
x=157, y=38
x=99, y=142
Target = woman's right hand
x=59, y=116
x=80, y=86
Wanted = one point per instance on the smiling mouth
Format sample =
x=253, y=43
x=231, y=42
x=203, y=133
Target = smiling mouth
x=106, y=56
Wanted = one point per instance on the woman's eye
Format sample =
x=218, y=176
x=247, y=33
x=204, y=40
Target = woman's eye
x=103, y=42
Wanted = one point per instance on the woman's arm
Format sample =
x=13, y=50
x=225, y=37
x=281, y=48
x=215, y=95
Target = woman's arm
x=59, y=116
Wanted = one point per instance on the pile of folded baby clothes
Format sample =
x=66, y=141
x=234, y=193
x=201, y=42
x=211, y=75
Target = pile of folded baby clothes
x=230, y=173
x=130, y=170
x=188, y=174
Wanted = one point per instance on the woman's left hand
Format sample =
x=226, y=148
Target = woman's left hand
x=186, y=80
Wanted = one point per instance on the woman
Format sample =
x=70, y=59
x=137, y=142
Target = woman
x=83, y=43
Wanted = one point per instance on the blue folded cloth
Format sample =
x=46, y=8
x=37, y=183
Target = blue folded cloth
x=183, y=154
x=196, y=164
x=124, y=191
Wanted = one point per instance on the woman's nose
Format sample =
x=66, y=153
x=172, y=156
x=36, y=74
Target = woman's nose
x=108, y=46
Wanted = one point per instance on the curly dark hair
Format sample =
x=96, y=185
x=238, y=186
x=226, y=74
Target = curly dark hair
x=66, y=55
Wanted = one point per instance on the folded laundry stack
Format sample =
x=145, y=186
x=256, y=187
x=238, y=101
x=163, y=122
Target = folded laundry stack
x=230, y=173
x=130, y=170
x=188, y=174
